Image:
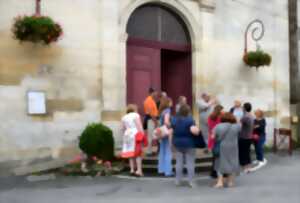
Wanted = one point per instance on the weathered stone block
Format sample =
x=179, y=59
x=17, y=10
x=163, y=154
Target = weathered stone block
x=65, y=105
x=40, y=167
x=112, y=115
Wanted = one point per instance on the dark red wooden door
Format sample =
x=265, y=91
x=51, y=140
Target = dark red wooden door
x=177, y=74
x=143, y=72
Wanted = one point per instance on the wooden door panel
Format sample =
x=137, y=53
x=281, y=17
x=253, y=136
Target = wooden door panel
x=141, y=81
x=177, y=74
x=143, y=72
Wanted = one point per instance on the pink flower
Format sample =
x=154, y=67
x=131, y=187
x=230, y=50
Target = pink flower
x=107, y=164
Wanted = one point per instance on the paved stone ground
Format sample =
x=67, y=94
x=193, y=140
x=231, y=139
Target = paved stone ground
x=278, y=182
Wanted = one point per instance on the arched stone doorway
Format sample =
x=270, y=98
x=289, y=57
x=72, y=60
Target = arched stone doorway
x=159, y=54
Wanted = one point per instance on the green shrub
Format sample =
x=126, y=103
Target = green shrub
x=36, y=29
x=97, y=140
x=257, y=58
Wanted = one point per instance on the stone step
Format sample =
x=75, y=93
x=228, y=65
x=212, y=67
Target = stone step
x=151, y=170
x=202, y=164
x=154, y=160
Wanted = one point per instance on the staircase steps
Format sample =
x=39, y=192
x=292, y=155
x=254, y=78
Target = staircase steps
x=203, y=164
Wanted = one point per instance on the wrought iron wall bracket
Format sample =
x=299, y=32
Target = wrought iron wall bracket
x=257, y=26
x=37, y=7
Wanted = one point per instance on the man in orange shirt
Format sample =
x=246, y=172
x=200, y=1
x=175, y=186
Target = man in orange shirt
x=151, y=115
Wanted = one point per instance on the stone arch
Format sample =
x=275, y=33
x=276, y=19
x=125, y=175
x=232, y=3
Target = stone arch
x=177, y=7
x=194, y=28
x=111, y=113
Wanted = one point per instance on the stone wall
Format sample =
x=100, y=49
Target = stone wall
x=69, y=72
x=84, y=74
x=224, y=73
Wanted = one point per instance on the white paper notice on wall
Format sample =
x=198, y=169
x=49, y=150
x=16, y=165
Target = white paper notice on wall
x=36, y=102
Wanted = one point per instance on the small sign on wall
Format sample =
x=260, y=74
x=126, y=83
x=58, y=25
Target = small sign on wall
x=36, y=102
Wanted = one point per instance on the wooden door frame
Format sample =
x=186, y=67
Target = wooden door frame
x=159, y=45
x=184, y=48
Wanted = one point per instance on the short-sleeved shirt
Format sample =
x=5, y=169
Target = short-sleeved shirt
x=129, y=120
x=238, y=113
x=183, y=137
x=247, y=123
x=150, y=107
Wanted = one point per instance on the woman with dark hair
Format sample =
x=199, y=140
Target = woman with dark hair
x=184, y=129
x=227, y=159
x=245, y=138
x=213, y=120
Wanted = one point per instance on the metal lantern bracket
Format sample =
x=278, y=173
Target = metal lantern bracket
x=37, y=7
x=258, y=27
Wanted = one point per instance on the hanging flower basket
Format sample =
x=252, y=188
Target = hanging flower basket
x=36, y=29
x=257, y=58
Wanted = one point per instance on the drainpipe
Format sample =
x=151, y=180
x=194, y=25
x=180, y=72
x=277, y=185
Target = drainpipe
x=294, y=67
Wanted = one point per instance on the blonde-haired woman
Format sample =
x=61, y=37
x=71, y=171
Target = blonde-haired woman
x=165, y=152
x=132, y=139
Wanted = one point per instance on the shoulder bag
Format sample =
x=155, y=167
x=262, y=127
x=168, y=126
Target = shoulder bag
x=217, y=147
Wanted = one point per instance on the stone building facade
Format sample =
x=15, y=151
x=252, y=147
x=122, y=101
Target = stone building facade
x=84, y=74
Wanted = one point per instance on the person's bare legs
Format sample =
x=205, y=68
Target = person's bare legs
x=247, y=168
x=220, y=181
x=230, y=180
x=139, y=166
x=131, y=164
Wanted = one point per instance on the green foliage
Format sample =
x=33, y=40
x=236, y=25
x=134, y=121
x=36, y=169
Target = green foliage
x=36, y=29
x=296, y=144
x=257, y=58
x=92, y=170
x=268, y=149
x=97, y=140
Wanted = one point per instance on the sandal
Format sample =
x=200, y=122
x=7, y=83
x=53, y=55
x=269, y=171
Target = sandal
x=230, y=185
x=218, y=186
x=138, y=175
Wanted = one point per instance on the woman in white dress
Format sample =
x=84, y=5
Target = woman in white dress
x=132, y=139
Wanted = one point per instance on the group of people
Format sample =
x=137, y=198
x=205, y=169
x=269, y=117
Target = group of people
x=228, y=135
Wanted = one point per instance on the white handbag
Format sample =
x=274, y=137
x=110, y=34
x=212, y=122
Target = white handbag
x=162, y=132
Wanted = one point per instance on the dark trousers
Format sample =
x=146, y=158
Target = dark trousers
x=145, y=122
x=259, y=148
x=244, y=151
x=213, y=172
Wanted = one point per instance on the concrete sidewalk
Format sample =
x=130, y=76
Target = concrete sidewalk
x=278, y=182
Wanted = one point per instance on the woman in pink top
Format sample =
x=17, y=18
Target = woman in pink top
x=213, y=120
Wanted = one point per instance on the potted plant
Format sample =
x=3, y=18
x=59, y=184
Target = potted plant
x=36, y=28
x=257, y=58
